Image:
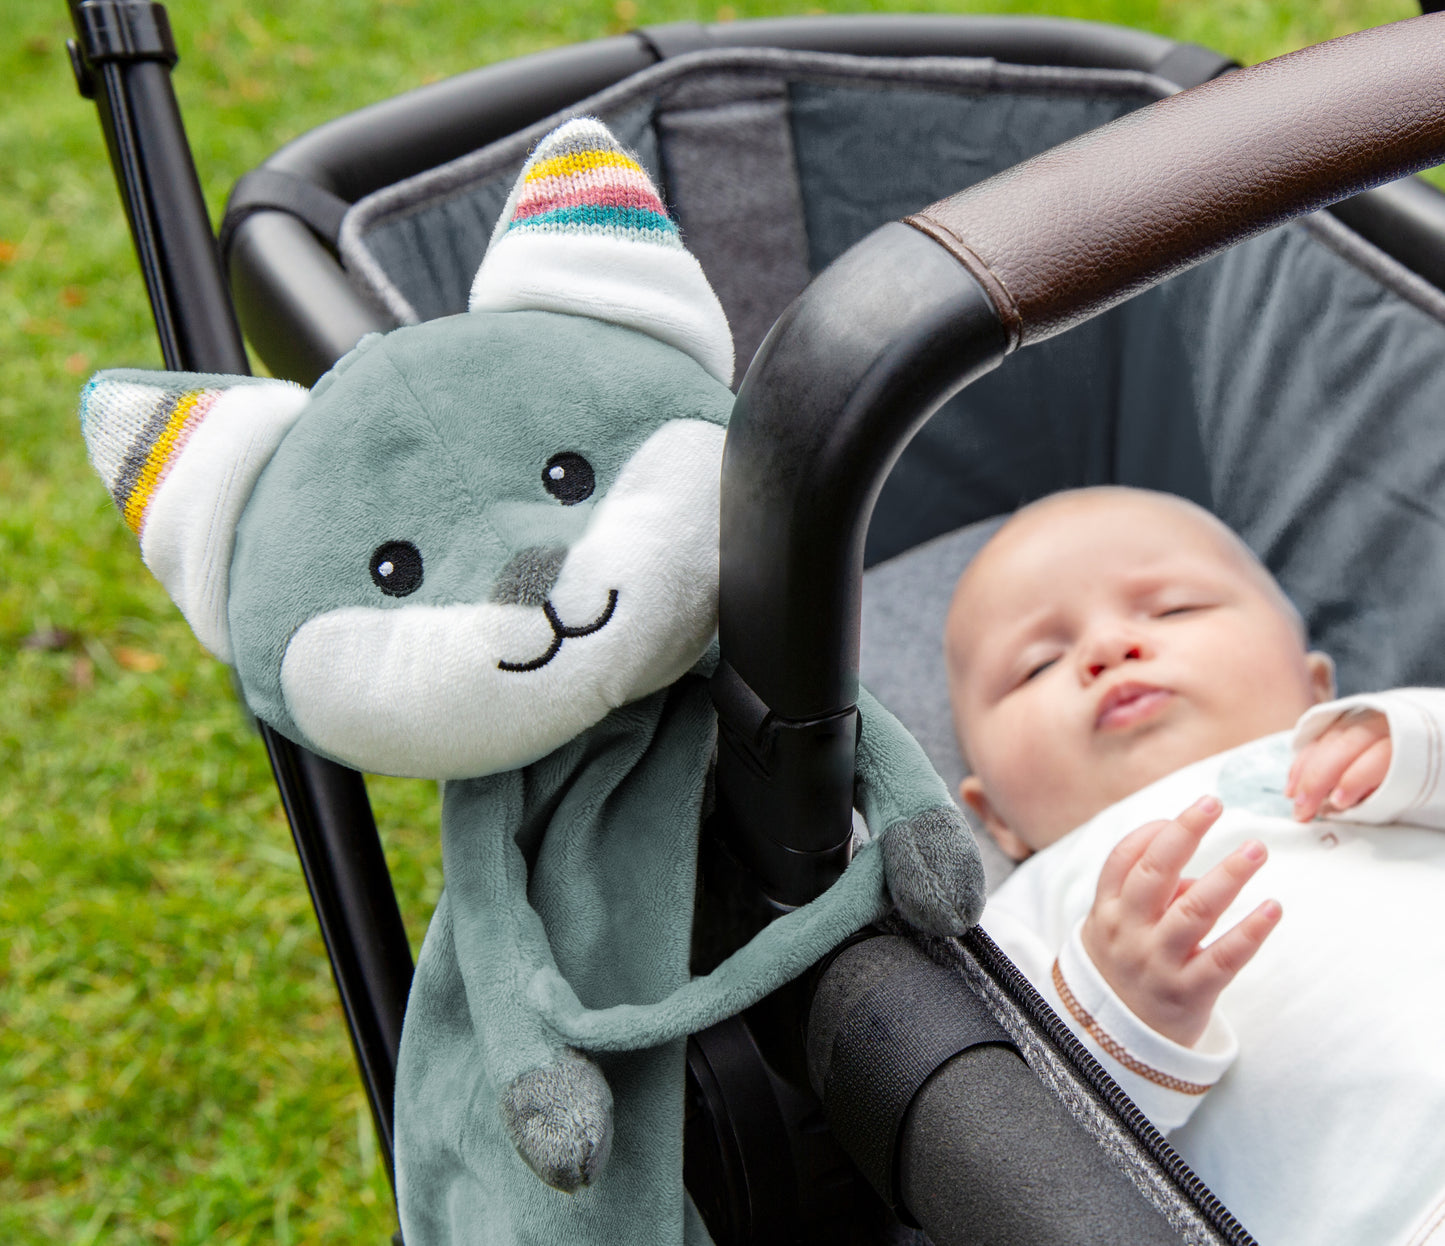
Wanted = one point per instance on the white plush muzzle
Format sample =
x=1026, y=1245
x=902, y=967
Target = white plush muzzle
x=417, y=690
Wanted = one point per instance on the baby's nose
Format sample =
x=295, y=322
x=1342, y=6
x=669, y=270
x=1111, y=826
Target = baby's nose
x=1131, y=653
x=528, y=577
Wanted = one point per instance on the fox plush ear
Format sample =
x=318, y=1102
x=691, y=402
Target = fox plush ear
x=584, y=232
x=180, y=453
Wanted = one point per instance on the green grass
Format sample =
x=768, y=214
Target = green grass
x=173, y=1065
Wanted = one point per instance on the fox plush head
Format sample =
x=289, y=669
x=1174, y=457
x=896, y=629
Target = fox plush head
x=474, y=537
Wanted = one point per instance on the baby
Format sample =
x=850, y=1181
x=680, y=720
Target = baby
x=1115, y=656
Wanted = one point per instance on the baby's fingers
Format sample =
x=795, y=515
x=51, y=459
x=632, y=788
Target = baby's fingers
x=1362, y=777
x=1124, y=857
x=1195, y=910
x=1321, y=764
x=1152, y=882
x=1217, y=965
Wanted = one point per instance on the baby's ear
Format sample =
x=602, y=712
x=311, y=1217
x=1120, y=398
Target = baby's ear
x=180, y=453
x=973, y=797
x=1322, y=675
x=585, y=232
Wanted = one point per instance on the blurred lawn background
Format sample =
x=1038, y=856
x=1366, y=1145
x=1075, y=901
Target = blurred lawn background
x=173, y=1062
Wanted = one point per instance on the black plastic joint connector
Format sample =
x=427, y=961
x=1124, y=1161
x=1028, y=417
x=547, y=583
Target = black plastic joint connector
x=784, y=790
x=124, y=30
x=741, y=711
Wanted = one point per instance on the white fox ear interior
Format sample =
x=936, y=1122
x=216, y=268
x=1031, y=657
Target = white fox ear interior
x=584, y=231
x=180, y=453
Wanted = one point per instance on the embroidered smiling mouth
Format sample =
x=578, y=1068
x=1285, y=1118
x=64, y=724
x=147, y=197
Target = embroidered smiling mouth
x=561, y=632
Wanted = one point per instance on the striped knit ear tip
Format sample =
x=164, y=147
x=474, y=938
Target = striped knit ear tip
x=579, y=132
x=581, y=182
x=135, y=431
x=95, y=403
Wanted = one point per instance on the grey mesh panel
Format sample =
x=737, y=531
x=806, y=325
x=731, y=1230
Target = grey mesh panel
x=432, y=254
x=1321, y=401
x=868, y=155
x=732, y=183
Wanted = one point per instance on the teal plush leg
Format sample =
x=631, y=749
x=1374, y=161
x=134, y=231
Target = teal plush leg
x=555, y=1104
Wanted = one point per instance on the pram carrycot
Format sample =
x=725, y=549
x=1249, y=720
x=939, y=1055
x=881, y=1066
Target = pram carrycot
x=1311, y=322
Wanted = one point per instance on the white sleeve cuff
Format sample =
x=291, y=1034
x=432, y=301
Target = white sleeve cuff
x=1413, y=790
x=1166, y=1079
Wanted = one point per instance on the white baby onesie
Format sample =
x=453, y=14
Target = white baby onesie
x=1314, y=1105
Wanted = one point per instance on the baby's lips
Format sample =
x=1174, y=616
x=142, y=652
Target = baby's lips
x=1129, y=703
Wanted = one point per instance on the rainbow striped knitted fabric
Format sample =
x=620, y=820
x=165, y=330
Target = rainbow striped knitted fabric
x=581, y=181
x=179, y=453
x=135, y=434
x=584, y=232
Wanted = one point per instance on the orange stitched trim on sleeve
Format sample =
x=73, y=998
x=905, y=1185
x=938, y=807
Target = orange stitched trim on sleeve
x=1115, y=1048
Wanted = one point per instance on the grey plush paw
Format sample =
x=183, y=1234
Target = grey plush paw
x=560, y=1120
x=935, y=874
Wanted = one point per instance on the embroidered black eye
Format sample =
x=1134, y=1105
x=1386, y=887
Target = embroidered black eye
x=568, y=478
x=396, y=568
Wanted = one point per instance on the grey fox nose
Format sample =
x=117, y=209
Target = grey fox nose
x=528, y=577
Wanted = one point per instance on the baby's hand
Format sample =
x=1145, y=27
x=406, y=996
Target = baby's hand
x=1144, y=930
x=1344, y=765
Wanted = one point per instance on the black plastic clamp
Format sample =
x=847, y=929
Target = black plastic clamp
x=750, y=720
x=118, y=30
x=787, y=799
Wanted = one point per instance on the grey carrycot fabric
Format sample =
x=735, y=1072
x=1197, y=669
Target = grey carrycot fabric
x=760, y=154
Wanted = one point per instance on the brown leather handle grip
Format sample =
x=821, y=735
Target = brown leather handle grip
x=1088, y=224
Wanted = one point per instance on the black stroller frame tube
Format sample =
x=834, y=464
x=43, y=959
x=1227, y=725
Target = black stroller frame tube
x=844, y=379
x=122, y=58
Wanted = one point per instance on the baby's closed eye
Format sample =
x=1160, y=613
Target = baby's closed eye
x=1036, y=668
x=1170, y=609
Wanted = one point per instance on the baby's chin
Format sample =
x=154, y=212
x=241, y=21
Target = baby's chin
x=1160, y=753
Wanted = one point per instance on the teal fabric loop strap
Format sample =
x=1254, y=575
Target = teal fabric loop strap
x=776, y=955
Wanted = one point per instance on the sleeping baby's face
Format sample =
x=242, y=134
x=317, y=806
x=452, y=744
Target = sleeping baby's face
x=1104, y=638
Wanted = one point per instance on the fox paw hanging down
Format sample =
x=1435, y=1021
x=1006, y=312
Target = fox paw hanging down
x=559, y=1118
x=930, y=858
x=934, y=872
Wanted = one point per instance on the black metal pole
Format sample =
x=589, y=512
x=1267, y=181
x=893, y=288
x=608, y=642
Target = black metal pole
x=845, y=378
x=122, y=56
